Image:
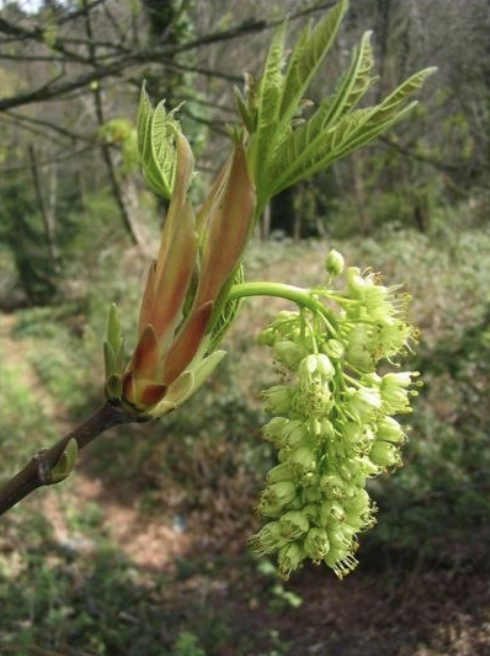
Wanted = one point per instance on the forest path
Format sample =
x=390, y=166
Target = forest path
x=14, y=354
x=149, y=543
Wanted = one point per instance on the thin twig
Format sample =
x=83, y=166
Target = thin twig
x=37, y=472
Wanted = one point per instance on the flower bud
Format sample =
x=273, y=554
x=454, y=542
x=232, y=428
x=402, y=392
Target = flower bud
x=267, y=337
x=277, y=399
x=290, y=558
x=335, y=263
x=280, y=493
x=295, y=432
x=311, y=512
x=364, y=403
x=385, y=454
x=325, y=366
x=334, y=349
x=334, y=510
x=327, y=429
x=333, y=486
x=288, y=353
x=302, y=460
x=316, y=544
x=389, y=430
x=311, y=495
x=275, y=431
x=294, y=524
x=280, y=473
x=267, y=540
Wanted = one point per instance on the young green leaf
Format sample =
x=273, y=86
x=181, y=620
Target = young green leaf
x=311, y=148
x=311, y=49
x=156, y=146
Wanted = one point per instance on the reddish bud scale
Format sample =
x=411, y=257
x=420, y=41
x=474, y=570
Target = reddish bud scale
x=187, y=342
x=229, y=225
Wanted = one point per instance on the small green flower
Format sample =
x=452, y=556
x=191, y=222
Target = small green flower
x=268, y=539
x=294, y=524
x=389, y=430
x=302, y=460
x=385, y=454
x=290, y=558
x=278, y=399
x=316, y=544
x=364, y=403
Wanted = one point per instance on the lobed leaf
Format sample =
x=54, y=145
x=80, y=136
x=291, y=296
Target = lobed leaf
x=318, y=143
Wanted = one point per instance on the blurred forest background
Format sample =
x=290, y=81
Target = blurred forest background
x=143, y=550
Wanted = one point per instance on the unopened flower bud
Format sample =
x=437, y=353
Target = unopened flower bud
x=295, y=432
x=280, y=473
x=267, y=337
x=288, y=353
x=389, y=430
x=280, y=493
x=307, y=368
x=335, y=510
x=385, y=454
x=334, y=349
x=277, y=399
x=275, y=431
x=335, y=263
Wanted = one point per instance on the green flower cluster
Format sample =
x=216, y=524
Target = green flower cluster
x=333, y=424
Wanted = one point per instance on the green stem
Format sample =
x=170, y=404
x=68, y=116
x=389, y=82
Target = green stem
x=302, y=298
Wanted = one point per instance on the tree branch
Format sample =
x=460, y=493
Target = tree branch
x=129, y=58
x=37, y=473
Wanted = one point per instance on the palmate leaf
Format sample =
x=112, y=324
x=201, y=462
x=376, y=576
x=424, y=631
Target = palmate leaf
x=304, y=141
x=279, y=95
x=311, y=49
x=156, y=129
x=310, y=148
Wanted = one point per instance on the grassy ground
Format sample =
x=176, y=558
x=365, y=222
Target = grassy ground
x=143, y=551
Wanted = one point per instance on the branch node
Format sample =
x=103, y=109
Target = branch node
x=43, y=467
